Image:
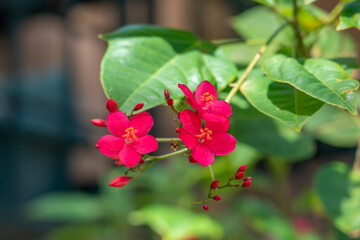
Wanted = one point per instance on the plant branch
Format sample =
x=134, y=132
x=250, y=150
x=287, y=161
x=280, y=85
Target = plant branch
x=211, y=173
x=298, y=44
x=253, y=63
x=167, y=139
x=156, y=158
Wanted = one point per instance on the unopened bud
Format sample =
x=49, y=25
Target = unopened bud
x=166, y=94
x=177, y=130
x=248, y=179
x=120, y=181
x=111, y=105
x=246, y=184
x=97, y=145
x=217, y=198
x=242, y=168
x=206, y=207
x=239, y=175
x=214, y=184
x=142, y=161
x=138, y=106
x=170, y=102
x=98, y=122
x=192, y=159
x=118, y=162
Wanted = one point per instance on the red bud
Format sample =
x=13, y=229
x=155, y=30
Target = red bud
x=217, y=198
x=246, y=184
x=118, y=162
x=239, y=175
x=98, y=122
x=215, y=184
x=206, y=207
x=248, y=179
x=242, y=168
x=166, y=94
x=170, y=102
x=142, y=161
x=177, y=130
x=111, y=105
x=192, y=160
x=97, y=145
x=120, y=181
x=138, y=106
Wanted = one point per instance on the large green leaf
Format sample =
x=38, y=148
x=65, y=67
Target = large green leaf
x=335, y=127
x=340, y=195
x=350, y=16
x=319, y=78
x=280, y=100
x=138, y=68
x=270, y=137
x=173, y=223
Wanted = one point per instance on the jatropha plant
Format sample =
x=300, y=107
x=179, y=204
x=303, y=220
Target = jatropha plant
x=202, y=135
x=292, y=68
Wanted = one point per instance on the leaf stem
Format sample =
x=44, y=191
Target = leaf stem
x=252, y=64
x=211, y=173
x=167, y=139
x=152, y=158
x=298, y=44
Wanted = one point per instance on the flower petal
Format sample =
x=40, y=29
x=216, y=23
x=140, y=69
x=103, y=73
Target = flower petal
x=191, y=121
x=189, y=96
x=221, y=143
x=206, y=88
x=189, y=140
x=212, y=117
x=145, y=144
x=129, y=156
x=111, y=146
x=203, y=155
x=217, y=127
x=117, y=122
x=142, y=123
x=120, y=181
x=220, y=107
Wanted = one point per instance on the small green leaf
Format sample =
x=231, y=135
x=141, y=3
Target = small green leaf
x=335, y=127
x=138, y=68
x=319, y=78
x=280, y=100
x=350, y=16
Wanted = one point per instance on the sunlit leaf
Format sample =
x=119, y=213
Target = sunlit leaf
x=350, y=16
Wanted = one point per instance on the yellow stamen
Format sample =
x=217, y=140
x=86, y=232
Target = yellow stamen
x=130, y=134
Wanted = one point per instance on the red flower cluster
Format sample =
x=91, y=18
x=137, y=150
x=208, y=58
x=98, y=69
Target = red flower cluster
x=212, y=138
x=129, y=139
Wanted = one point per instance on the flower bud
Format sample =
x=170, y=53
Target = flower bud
x=138, y=106
x=170, y=102
x=97, y=145
x=118, y=162
x=166, y=94
x=246, y=184
x=142, y=161
x=242, y=168
x=206, y=207
x=177, y=130
x=248, y=179
x=217, y=198
x=111, y=105
x=192, y=159
x=214, y=184
x=239, y=175
x=98, y=122
x=120, y=181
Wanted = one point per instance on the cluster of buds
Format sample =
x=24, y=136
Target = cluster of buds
x=168, y=99
x=232, y=182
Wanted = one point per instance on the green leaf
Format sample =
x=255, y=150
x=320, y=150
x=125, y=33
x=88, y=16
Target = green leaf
x=65, y=206
x=270, y=137
x=138, y=69
x=280, y=101
x=335, y=127
x=350, y=16
x=319, y=78
x=340, y=196
x=173, y=223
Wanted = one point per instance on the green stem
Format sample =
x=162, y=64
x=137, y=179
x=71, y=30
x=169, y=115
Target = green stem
x=211, y=173
x=167, y=139
x=298, y=44
x=155, y=158
x=253, y=63
x=334, y=13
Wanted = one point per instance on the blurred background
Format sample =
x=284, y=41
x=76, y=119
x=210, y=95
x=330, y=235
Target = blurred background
x=53, y=182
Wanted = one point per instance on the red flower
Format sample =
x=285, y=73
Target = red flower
x=205, y=103
x=120, y=181
x=207, y=141
x=130, y=140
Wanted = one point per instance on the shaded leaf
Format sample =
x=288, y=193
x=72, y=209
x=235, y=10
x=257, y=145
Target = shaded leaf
x=319, y=78
x=350, y=16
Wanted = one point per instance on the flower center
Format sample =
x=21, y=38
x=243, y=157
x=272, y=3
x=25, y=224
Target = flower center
x=130, y=134
x=207, y=98
x=205, y=134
